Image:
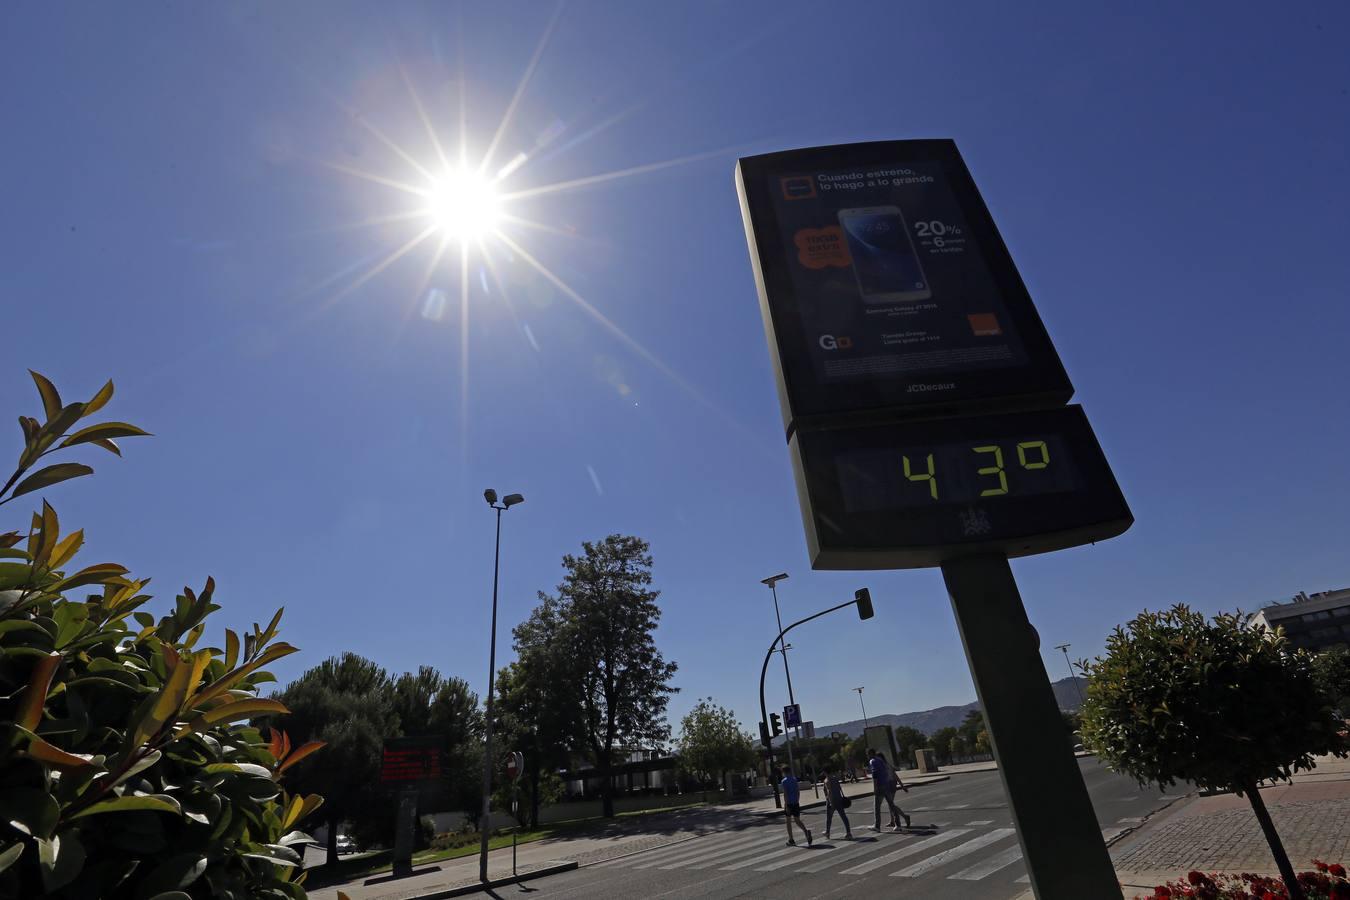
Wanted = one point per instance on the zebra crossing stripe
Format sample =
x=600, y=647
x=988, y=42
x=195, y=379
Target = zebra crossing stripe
x=925, y=866
x=763, y=842
x=981, y=822
x=757, y=858
x=837, y=856
x=690, y=849
x=990, y=865
x=907, y=850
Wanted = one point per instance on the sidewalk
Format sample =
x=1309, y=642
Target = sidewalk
x=633, y=836
x=1220, y=833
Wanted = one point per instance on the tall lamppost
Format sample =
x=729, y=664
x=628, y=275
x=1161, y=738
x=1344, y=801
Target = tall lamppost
x=1064, y=648
x=864, y=709
x=772, y=582
x=508, y=501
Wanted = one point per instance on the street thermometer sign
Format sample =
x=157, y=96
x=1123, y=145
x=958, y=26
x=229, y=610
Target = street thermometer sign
x=925, y=411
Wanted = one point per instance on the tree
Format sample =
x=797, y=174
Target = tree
x=427, y=703
x=1220, y=704
x=907, y=741
x=603, y=619
x=1331, y=671
x=944, y=742
x=712, y=743
x=126, y=767
x=345, y=701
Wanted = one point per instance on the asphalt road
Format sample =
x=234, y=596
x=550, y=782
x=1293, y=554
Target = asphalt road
x=962, y=845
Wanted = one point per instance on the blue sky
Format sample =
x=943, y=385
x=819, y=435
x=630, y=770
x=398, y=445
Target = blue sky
x=180, y=215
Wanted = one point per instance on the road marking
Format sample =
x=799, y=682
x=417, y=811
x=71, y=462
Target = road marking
x=990, y=865
x=715, y=857
x=1130, y=820
x=839, y=856
x=755, y=858
x=925, y=866
x=981, y=822
x=694, y=849
x=958, y=806
x=1107, y=834
x=908, y=850
x=921, y=808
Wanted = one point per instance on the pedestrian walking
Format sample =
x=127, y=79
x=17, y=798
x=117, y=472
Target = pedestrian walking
x=792, y=806
x=882, y=789
x=836, y=803
x=894, y=785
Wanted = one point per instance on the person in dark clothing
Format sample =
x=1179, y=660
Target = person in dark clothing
x=883, y=789
x=835, y=802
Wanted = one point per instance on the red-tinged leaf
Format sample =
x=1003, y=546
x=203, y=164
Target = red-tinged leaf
x=9, y=539
x=274, y=743
x=35, y=697
x=51, y=400
x=300, y=753
x=50, y=475
x=104, y=431
x=100, y=399
x=55, y=757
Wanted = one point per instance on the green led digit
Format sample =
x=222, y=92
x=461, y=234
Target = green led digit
x=928, y=476
x=1039, y=447
x=995, y=469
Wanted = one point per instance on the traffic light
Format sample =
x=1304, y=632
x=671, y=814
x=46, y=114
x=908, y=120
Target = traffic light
x=764, y=734
x=863, y=597
x=775, y=724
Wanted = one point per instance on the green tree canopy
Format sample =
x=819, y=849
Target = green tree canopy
x=600, y=627
x=1218, y=704
x=711, y=742
x=1331, y=671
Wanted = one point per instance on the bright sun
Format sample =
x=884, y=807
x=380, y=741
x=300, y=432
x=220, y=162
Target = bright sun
x=464, y=205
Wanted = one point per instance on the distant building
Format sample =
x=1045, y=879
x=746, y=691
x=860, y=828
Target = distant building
x=1311, y=621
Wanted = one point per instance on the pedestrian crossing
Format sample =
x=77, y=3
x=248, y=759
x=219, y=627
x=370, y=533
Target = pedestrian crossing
x=971, y=850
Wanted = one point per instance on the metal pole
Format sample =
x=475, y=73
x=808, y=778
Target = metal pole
x=864, y=709
x=1064, y=648
x=483, y=826
x=1056, y=826
x=787, y=738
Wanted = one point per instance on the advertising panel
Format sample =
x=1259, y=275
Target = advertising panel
x=885, y=285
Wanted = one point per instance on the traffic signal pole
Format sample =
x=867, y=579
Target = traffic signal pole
x=861, y=599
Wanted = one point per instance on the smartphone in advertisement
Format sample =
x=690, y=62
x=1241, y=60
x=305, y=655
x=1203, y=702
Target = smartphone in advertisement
x=884, y=258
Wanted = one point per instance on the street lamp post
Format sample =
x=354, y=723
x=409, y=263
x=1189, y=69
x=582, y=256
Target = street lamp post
x=772, y=582
x=508, y=501
x=864, y=709
x=1064, y=648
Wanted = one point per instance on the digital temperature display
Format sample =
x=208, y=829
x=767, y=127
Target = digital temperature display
x=964, y=472
x=912, y=494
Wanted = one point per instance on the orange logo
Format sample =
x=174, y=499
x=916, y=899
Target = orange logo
x=818, y=248
x=984, y=324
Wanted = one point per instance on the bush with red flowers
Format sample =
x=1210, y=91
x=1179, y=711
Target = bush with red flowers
x=1326, y=882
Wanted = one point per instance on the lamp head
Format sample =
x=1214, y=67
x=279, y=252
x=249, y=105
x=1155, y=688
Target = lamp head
x=512, y=499
x=490, y=496
x=774, y=579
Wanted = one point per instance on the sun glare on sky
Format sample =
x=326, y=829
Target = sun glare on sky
x=464, y=205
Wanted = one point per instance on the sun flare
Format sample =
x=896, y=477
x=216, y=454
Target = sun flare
x=464, y=205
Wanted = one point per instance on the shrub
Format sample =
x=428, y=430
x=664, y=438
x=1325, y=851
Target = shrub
x=1326, y=882
x=126, y=767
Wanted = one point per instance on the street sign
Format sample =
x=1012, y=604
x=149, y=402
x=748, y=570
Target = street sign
x=885, y=286
x=913, y=494
x=792, y=715
x=515, y=765
x=808, y=729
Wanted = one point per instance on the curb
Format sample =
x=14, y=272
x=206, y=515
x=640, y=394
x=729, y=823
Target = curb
x=565, y=866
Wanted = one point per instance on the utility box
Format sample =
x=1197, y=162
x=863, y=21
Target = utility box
x=926, y=760
x=734, y=785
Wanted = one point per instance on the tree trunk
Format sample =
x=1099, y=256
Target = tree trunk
x=1273, y=838
x=332, y=840
x=606, y=786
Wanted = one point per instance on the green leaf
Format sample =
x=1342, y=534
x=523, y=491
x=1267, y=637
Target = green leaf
x=70, y=620
x=30, y=428
x=61, y=859
x=50, y=475
x=100, y=573
x=31, y=810
x=144, y=619
x=174, y=874
x=172, y=895
x=241, y=709
x=154, y=802
x=100, y=399
x=102, y=432
x=9, y=855
x=108, y=444
x=245, y=768
x=51, y=400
